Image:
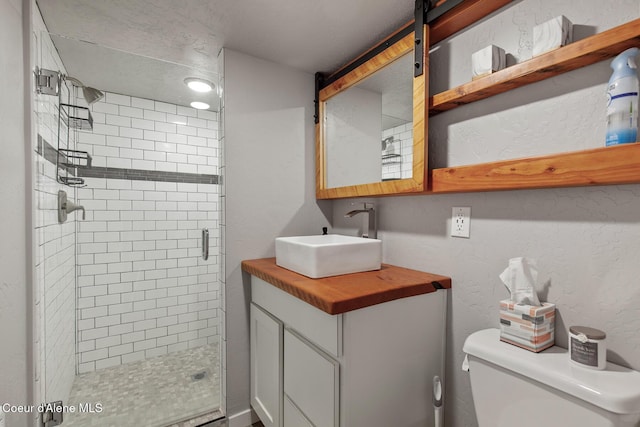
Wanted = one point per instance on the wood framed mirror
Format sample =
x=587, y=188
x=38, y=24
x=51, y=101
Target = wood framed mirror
x=372, y=123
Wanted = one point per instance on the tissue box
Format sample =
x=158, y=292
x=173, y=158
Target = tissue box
x=552, y=34
x=527, y=326
x=486, y=61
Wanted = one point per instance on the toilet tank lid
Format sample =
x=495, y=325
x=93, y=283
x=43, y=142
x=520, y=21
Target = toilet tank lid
x=616, y=389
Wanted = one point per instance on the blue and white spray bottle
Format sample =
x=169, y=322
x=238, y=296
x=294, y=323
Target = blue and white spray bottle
x=622, y=99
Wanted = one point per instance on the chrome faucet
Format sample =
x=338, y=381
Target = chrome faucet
x=369, y=228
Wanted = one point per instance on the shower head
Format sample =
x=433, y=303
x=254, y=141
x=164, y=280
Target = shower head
x=90, y=94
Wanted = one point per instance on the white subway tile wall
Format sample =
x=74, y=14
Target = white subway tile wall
x=144, y=289
x=55, y=300
x=401, y=168
x=135, y=133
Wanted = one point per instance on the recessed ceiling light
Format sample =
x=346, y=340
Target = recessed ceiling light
x=200, y=105
x=199, y=85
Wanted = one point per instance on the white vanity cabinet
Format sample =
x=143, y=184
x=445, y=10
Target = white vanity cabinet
x=266, y=366
x=311, y=382
x=373, y=366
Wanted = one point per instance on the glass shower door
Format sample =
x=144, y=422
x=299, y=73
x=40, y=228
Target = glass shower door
x=55, y=249
x=131, y=304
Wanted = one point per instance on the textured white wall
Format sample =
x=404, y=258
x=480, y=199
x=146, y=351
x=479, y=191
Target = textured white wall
x=14, y=355
x=586, y=240
x=270, y=186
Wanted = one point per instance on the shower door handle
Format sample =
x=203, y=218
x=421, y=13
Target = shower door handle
x=205, y=244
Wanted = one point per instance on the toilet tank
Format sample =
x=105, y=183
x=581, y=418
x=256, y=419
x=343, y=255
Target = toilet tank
x=517, y=388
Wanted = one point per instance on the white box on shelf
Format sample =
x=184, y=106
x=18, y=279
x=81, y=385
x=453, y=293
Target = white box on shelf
x=486, y=61
x=550, y=35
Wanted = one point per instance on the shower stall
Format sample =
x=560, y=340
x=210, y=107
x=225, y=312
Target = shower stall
x=128, y=299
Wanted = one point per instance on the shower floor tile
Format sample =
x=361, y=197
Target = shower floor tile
x=150, y=393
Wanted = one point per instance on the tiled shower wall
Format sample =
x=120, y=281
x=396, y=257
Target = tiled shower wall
x=144, y=289
x=55, y=297
x=402, y=167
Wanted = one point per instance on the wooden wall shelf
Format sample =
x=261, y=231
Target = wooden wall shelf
x=575, y=55
x=600, y=166
x=460, y=17
x=608, y=165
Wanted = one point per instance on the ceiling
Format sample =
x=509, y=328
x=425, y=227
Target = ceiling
x=98, y=37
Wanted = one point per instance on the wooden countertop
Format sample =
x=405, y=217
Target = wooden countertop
x=339, y=294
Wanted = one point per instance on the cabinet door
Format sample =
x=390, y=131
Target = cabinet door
x=292, y=415
x=266, y=367
x=311, y=380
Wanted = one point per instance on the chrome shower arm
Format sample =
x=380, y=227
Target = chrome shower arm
x=73, y=80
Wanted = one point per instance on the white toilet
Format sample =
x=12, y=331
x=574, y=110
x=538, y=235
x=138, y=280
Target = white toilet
x=518, y=388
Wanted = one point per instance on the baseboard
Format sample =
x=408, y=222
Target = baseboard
x=243, y=419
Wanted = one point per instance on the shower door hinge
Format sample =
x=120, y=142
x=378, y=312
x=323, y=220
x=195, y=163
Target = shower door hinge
x=47, y=81
x=51, y=414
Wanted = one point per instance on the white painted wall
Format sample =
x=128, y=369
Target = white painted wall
x=586, y=240
x=15, y=363
x=269, y=175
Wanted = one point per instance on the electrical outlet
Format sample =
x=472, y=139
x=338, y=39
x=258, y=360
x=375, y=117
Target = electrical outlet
x=460, y=221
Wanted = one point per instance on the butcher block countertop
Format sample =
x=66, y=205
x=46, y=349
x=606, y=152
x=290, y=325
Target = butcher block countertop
x=340, y=294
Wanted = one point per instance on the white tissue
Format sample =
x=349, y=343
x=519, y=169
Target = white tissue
x=520, y=279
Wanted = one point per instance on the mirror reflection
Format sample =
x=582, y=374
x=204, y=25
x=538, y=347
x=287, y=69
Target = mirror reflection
x=368, y=128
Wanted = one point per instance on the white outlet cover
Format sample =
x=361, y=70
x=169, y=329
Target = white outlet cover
x=460, y=221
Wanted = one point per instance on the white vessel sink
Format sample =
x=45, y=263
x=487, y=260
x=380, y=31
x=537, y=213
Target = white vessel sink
x=328, y=255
